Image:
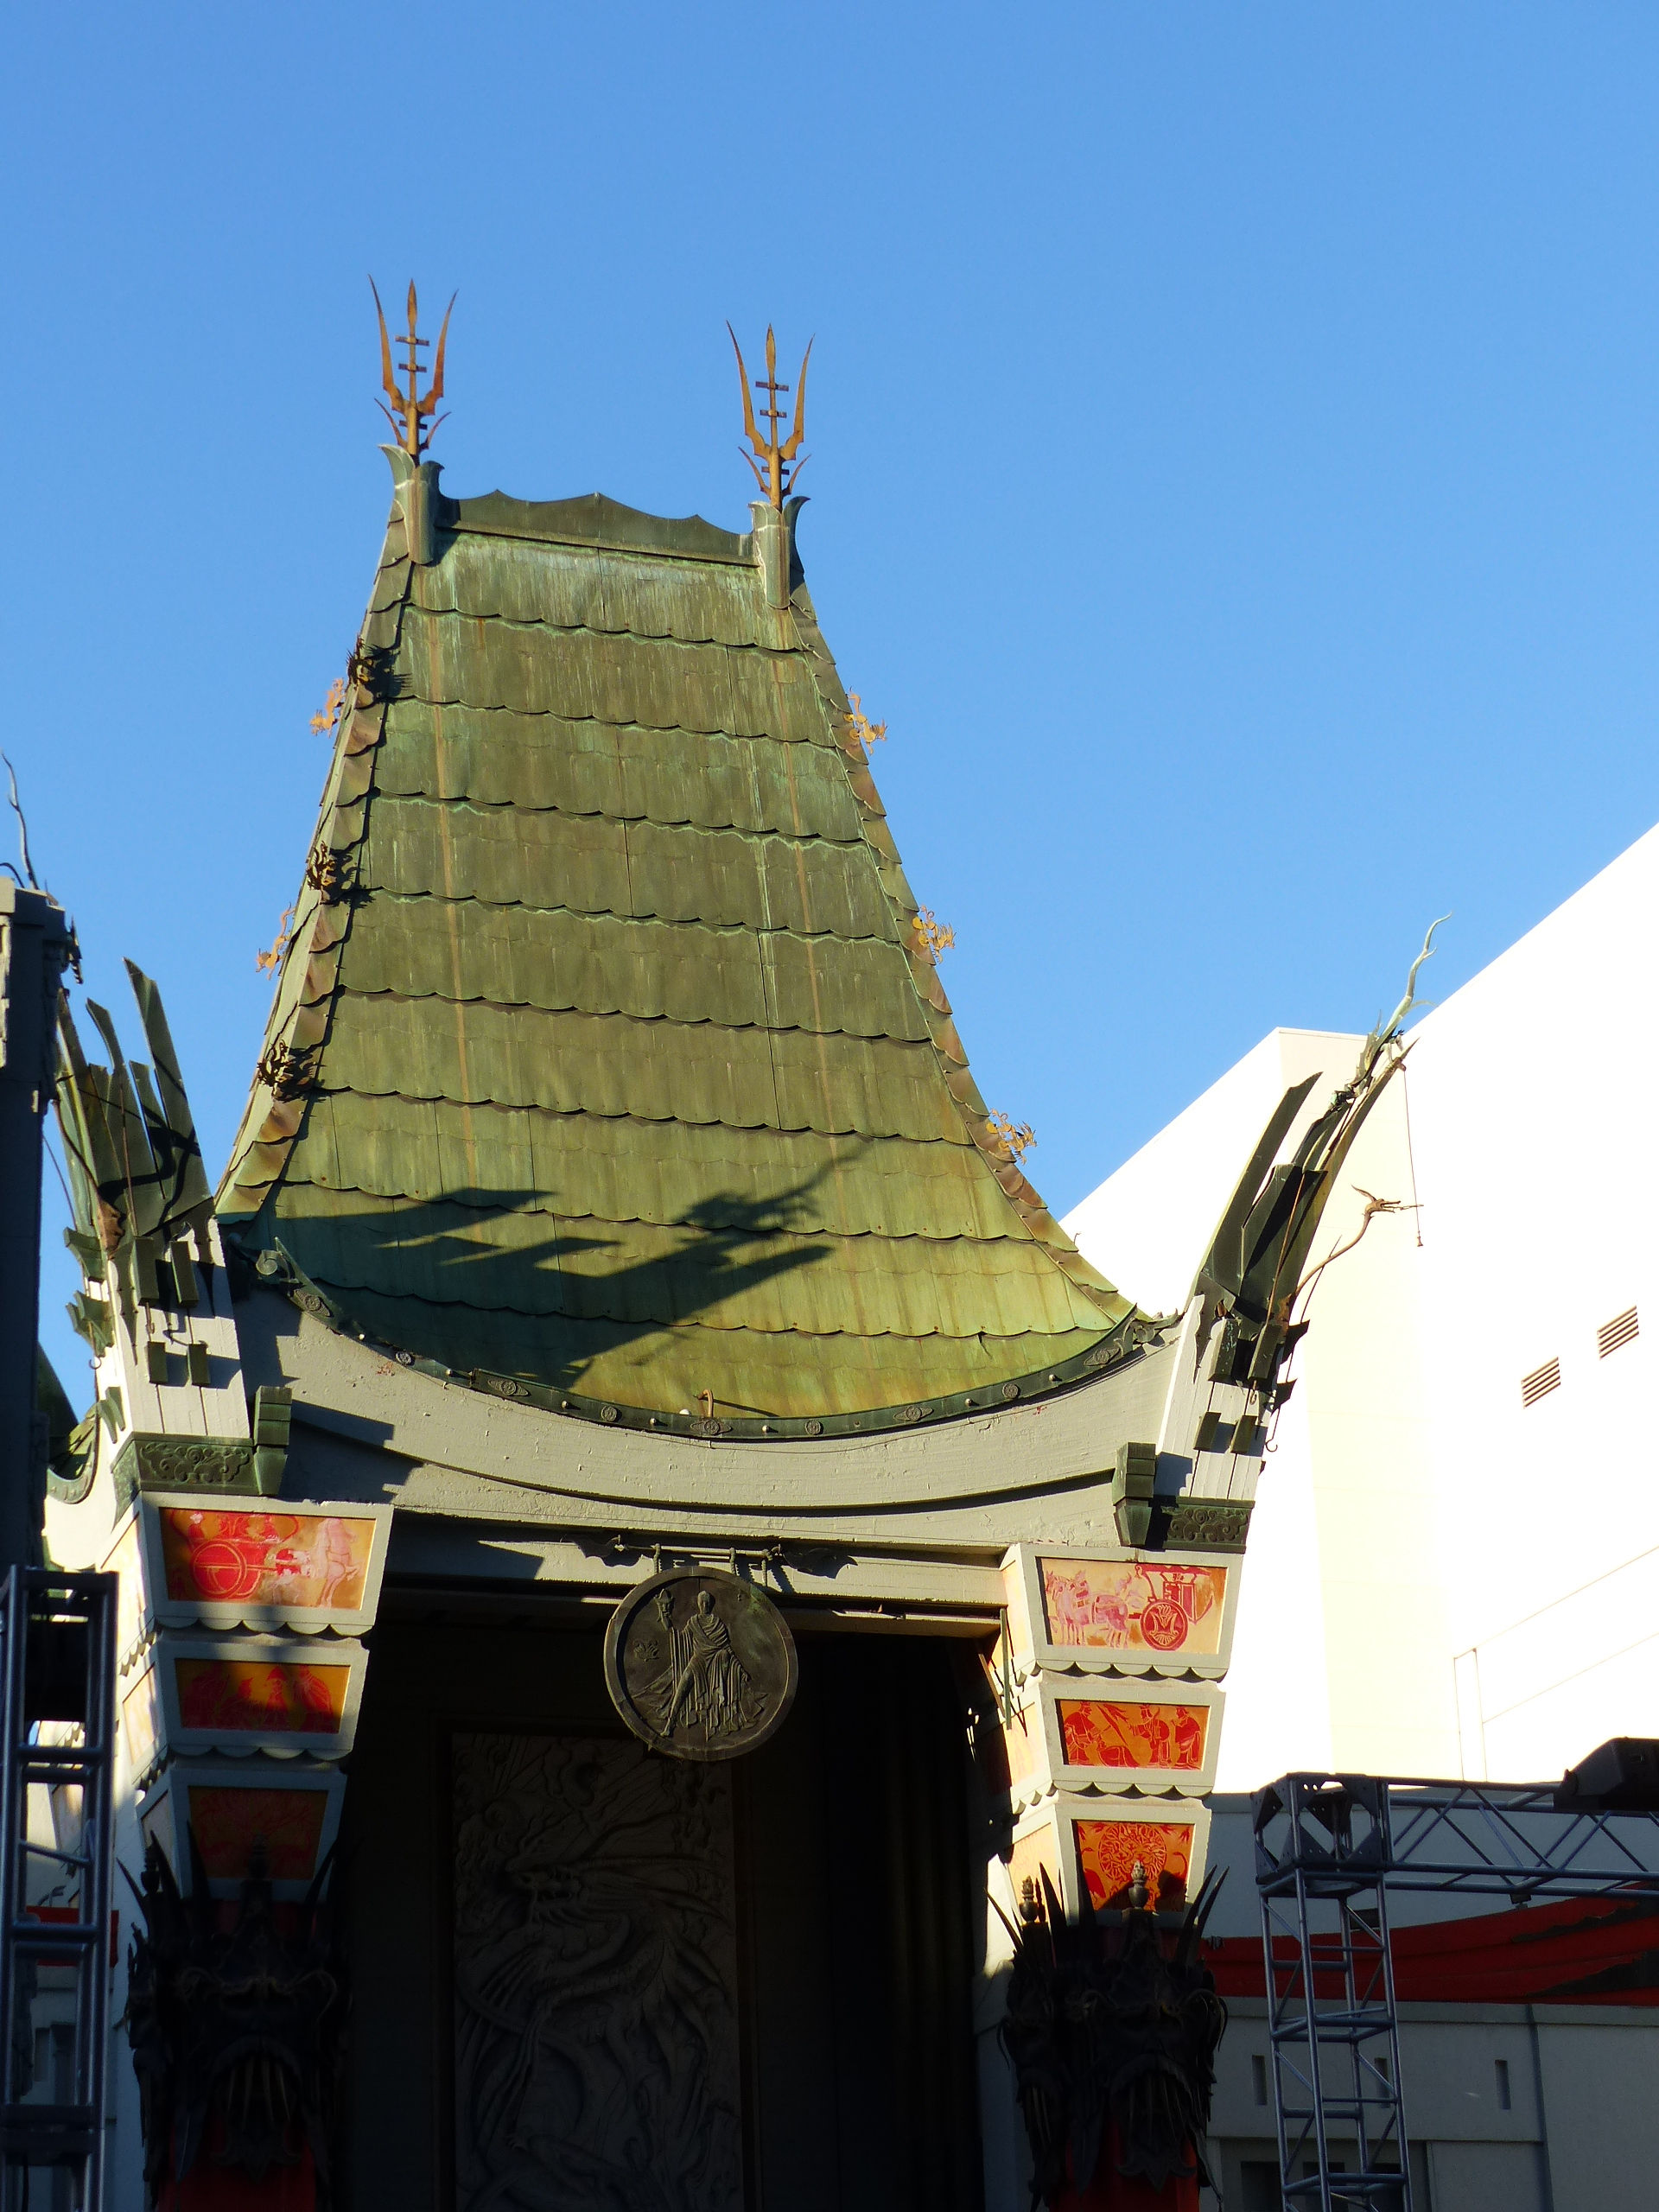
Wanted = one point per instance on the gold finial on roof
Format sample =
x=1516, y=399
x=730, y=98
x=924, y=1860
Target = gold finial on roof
x=410, y=424
x=782, y=468
x=266, y=962
x=330, y=709
x=931, y=936
x=863, y=731
x=1017, y=1137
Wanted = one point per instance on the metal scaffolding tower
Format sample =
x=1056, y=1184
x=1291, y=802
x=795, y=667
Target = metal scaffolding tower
x=57, y=1664
x=57, y=1681
x=1329, y=1850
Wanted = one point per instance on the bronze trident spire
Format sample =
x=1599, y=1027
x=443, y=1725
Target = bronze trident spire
x=782, y=468
x=410, y=424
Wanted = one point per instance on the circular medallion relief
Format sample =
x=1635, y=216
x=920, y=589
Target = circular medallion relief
x=700, y=1664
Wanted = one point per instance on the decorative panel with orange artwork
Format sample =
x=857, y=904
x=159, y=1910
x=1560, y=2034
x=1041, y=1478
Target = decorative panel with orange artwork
x=246, y=1693
x=236, y=1695
x=256, y=1564
x=230, y=1823
x=1152, y=1605
x=1094, y=1735
x=236, y=1808
x=1114, y=1732
x=1095, y=1843
x=1109, y=1850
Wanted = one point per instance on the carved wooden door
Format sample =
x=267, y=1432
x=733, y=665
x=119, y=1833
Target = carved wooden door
x=596, y=2059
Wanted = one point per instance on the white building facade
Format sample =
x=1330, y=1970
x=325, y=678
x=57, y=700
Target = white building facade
x=1454, y=1564
x=1453, y=1561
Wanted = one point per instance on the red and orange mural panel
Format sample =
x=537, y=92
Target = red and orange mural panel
x=308, y=1560
x=228, y=1824
x=233, y=1693
x=1109, y=1850
x=1126, y=1605
x=1103, y=1731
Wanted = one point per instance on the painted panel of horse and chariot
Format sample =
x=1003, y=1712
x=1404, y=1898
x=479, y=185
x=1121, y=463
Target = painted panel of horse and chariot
x=1127, y=1604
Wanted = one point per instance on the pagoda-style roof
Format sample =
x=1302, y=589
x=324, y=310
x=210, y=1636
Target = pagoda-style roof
x=606, y=1060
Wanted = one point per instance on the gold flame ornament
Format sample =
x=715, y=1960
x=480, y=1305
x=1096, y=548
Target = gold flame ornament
x=329, y=712
x=1016, y=1137
x=933, y=937
x=267, y=963
x=413, y=420
x=864, y=733
x=781, y=466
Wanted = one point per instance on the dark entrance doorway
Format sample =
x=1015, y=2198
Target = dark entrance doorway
x=589, y=1979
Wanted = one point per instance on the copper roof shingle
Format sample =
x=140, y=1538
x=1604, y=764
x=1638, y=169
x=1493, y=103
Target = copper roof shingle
x=603, y=1055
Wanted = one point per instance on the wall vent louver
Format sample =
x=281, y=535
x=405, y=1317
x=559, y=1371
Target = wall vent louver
x=1542, y=1381
x=1622, y=1328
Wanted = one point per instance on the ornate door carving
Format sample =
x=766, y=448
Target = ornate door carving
x=595, y=1977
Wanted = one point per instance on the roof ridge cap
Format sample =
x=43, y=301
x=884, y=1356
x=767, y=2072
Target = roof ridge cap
x=594, y=518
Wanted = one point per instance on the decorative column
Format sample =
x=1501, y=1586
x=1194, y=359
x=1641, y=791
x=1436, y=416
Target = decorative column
x=240, y=1663
x=1116, y=1657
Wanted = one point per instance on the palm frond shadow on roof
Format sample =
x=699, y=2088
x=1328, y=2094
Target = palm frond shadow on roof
x=584, y=1292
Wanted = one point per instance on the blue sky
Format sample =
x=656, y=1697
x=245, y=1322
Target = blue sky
x=1236, y=440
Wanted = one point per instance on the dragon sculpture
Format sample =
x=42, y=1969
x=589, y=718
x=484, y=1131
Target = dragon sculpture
x=1112, y=2029
x=235, y=2017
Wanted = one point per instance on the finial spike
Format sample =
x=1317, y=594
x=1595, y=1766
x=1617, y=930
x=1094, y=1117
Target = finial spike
x=781, y=468
x=436, y=392
x=412, y=413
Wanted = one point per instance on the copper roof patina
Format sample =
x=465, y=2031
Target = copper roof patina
x=606, y=1066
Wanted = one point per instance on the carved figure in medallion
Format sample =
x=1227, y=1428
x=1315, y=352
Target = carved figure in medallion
x=704, y=1681
x=700, y=1664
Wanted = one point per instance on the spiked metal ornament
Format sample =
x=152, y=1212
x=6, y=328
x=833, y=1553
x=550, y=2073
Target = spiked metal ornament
x=781, y=466
x=1112, y=2024
x=410, y=422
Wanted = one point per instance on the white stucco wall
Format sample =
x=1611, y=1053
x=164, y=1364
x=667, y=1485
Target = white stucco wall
x=1534, y=1120
x=1440, y=1579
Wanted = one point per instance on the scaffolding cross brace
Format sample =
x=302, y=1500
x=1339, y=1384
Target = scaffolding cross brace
x=1330, y=1850
x=57, y=1682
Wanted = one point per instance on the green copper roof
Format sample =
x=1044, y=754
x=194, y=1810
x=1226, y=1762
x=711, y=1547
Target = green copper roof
x=604, y=1056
